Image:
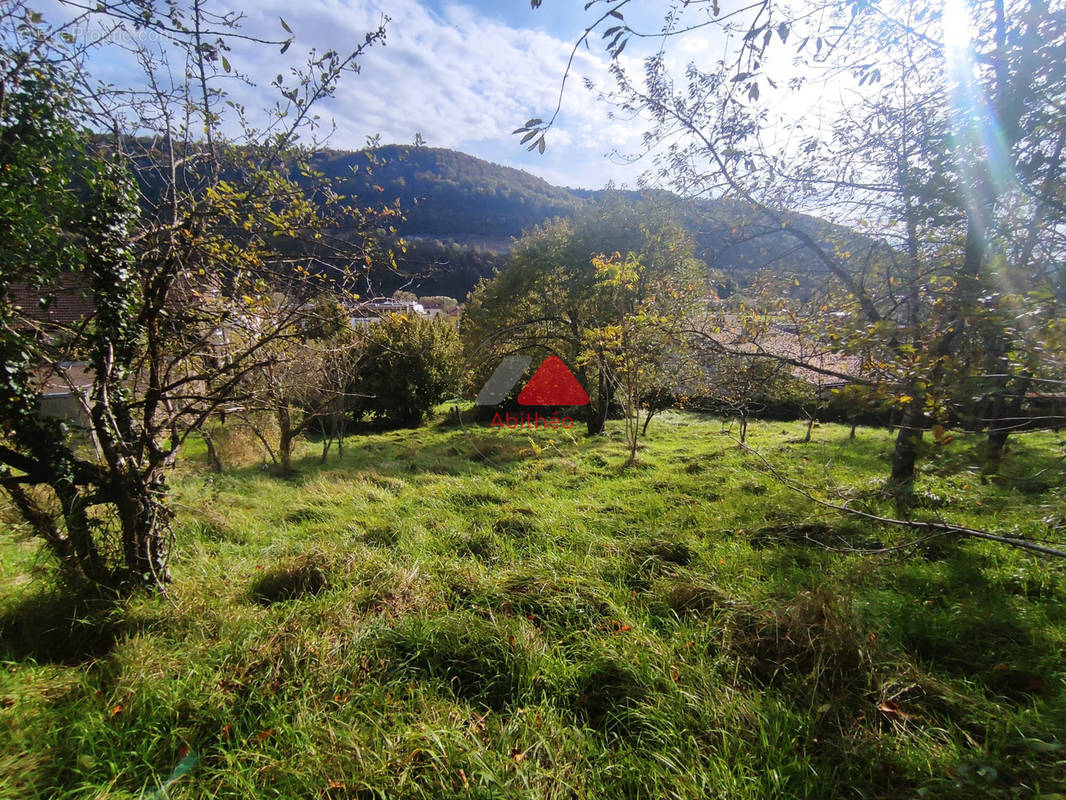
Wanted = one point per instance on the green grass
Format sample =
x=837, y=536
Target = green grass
x=454, y=613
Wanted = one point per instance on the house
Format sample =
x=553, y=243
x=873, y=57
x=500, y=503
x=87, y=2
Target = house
x=808, y=360
x=63, y=389
x=63, y=386
x=68, y=305
x=370, y=311
x=432, y=309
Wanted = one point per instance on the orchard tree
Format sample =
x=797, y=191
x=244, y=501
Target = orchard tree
x=177, y=219
x=944, y=150
x=651, y=307
x=46, y=230
x=308, y=381
x=552, y=298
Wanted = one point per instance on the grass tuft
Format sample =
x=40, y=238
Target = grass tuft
x=472, y=658
x=814, y=641
x=291, y=579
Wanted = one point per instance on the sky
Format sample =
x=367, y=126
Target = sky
x=465, y=75
x=462, y=74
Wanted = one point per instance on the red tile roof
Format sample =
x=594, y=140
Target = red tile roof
x=69, y=304
x=778, y=342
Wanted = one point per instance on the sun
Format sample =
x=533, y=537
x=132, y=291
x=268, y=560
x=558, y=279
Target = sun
x=958, y=27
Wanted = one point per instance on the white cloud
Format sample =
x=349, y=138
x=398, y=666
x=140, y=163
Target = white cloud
x=462, y=80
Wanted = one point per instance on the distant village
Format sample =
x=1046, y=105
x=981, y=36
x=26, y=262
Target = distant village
x=406, y=303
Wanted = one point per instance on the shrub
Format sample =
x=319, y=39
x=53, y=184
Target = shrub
x=409, y=366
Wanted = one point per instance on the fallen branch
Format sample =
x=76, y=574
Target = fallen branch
x=939, y=527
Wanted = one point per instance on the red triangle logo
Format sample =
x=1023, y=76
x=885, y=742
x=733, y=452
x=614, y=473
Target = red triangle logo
x=553, y=384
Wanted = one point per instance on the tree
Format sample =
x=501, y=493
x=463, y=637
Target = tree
x=45, y=231
x=177, y=237
x=550, y=297
x=307, y=381
x=740, y=386
x=944, y=155
x=410, y=364
x=652, y=306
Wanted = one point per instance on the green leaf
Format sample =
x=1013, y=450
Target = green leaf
x=540, y=145
x=225, y=64
x=528, y=136
x=285, y=46
x=285, y=25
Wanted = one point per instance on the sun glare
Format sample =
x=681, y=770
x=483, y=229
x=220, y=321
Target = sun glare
x=974, y=118
x=958, y=27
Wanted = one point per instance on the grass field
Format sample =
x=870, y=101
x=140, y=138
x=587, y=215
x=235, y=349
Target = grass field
x=457, y=613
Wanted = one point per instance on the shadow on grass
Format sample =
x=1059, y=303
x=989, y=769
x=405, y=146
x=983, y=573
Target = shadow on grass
x=60, y=626
x=861, y=676
x=611, y=692
x=473, y=658
x=1026, y=467
x=407, y=452
x=963, y=624
x=814, y=534
x=302, y=576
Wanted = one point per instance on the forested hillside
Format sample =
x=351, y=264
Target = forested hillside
x=460, y=213
x=446, y=193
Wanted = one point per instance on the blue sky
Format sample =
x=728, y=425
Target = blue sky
x=466, y=74
x=463, y=74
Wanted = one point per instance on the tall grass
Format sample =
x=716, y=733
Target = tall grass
x=452, y=612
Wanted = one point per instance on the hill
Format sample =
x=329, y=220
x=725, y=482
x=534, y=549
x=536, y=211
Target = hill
x=448, y=194
x=461, y=213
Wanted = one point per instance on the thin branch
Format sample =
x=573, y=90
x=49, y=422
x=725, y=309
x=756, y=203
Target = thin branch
x=940, y=527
